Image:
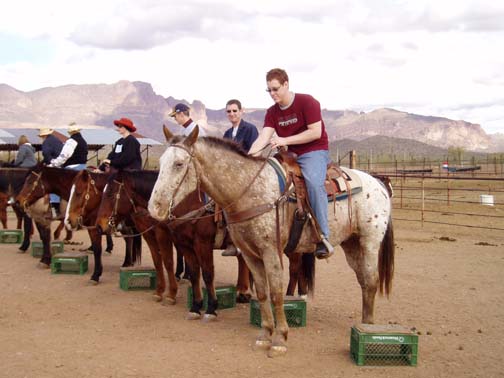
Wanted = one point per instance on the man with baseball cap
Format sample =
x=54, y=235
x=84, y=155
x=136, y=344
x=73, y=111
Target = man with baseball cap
x=181, y=114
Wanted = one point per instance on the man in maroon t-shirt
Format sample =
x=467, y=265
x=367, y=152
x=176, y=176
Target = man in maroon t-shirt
x=297, y=120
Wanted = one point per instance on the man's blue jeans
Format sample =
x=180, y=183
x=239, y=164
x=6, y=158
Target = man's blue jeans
x=314, y=166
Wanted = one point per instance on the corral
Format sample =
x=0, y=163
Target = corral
x=448, y=287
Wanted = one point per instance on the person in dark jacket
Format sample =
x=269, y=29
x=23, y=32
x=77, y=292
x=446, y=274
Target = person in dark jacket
x=240, y=131
x=51, y=148
x=74, y=153
x=244, y=133
x=25, y=157
x=126, y=151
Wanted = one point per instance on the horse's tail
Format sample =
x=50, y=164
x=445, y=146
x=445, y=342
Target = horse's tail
x=308, y=271
x=386, y=260
x=137, y=248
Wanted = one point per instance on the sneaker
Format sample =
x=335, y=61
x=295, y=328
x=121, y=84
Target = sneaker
x=322, y=252
x=231, y=250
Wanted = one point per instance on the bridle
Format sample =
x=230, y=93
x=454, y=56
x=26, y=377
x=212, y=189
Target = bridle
x=112, y=218
x=80, y=217
x=33, y=187
x=235, y=217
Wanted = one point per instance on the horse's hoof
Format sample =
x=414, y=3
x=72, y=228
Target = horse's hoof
x=193, y=316
x=277, y=351
x=42, y=265
x=243, y=298
x=263, y=344
x=157, y=297
x=93, y=282
x=169, y=301
x=207, y=318
x=303, y=297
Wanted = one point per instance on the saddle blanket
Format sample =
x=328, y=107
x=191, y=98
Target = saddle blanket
x=339, y=180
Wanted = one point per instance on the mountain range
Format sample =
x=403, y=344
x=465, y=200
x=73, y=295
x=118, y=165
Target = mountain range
x=100, y=104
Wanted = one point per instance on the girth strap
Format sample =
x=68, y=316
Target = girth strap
x=244, y=215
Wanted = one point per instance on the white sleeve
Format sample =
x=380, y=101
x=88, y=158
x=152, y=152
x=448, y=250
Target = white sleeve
x=67, y=151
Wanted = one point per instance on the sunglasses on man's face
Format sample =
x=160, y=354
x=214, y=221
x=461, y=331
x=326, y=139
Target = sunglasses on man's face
x=274, y=90
x=232, y=110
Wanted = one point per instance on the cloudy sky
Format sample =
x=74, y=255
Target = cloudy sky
x=430, y=57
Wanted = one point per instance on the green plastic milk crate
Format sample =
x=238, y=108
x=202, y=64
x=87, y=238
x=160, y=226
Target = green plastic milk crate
x=373, y=344
x=38, y=248
x=294, y=308
x=11, y=236
x=137, y=278
x=69, y=263
x=226, y=297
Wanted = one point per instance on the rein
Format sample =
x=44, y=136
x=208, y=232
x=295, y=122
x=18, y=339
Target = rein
x=235, y=217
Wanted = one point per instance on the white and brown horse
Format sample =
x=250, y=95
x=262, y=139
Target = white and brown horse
x=247, y=188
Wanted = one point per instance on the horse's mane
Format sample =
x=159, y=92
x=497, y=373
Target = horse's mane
x=143, y=180
x=230, y=145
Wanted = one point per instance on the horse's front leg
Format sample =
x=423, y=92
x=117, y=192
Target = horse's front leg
x=274, y=272
x=165, y=243
x=193, y=267
x=256, y=266
x=204, y=252
x=45, y=236
x=97, y=253
x=242, y=285
x=150, y=238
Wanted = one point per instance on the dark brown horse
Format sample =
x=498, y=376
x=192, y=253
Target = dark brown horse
x=128, y=193
x=44, y=180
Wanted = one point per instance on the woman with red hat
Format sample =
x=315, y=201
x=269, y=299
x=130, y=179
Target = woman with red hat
x=126, y=151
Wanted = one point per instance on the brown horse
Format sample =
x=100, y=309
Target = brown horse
x=14, y=179
x=128, y=193
x=259, y=220
x=83, y=203
x=44, y=180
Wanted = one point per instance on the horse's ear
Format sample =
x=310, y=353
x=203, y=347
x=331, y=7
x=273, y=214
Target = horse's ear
x=167, y=133
x=191, y=139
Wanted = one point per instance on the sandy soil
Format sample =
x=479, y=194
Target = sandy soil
x=451, y=291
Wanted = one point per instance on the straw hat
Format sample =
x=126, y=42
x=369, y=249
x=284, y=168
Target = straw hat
x=74, y=129
x=45, y=132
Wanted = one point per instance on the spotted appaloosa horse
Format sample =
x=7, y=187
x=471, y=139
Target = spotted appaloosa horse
x=247, y=189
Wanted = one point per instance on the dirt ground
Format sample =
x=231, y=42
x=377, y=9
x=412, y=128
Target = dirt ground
x=451, y=291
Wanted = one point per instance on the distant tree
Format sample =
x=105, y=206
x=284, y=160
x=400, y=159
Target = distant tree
x=456, y=153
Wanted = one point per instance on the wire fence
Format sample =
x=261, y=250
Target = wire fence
x=453, y=200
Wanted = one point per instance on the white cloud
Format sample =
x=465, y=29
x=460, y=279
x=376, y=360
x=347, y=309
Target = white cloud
x=432, y=57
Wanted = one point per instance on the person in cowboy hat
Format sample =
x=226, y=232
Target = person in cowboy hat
x=181, y=115
x=51, y=148
x=126, y=151
x=74, y=153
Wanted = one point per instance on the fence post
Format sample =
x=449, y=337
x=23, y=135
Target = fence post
x=448, y=189
x=352, y=159
x=401, y=193
x=423, y=200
